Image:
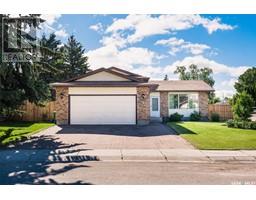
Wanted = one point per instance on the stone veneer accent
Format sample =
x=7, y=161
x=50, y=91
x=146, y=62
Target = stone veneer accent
x=164, y=104
x=61, y=105
x=203, y=103
x=143, y=105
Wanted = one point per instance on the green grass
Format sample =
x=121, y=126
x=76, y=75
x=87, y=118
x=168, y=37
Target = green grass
x=11, y=132
x=215, y=135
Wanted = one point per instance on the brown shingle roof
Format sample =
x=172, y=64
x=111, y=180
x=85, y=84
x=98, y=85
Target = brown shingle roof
x=102, y=84
x=130, y=74
x=178, y=85
x=113, y=70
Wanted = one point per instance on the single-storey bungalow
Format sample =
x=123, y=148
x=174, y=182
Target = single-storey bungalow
x=116, y=96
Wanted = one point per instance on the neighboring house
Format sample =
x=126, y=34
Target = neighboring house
x=116, y=96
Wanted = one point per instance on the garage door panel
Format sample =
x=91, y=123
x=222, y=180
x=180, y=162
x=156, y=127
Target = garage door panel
x=102, y=110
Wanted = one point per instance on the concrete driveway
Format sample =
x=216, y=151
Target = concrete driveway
x=150, y=154
x=152, y=136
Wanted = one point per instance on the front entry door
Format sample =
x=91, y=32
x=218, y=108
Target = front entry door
x=154, y=106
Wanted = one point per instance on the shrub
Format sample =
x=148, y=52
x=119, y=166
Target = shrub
x=215, y=117
x=242, y=106
x=165, y=120
x=241, y=124
x=230, y=123
x=195, y=116
x=176, y=117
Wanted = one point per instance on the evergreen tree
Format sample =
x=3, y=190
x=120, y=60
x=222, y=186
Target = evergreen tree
x=76, y=63
x=54, y=60
x=20, y=81
x=166, y=77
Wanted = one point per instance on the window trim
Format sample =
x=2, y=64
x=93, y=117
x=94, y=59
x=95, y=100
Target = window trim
x=182, y=93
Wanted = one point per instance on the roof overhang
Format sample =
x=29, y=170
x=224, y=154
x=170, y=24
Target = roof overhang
x=115, y=71
x=103, y=84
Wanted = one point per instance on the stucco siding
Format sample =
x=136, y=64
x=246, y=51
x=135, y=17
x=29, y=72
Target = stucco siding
x=103, y=76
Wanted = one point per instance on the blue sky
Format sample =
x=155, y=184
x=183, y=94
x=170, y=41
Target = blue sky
x=153, y=45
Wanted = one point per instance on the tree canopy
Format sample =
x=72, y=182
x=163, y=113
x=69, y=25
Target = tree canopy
x=75, y=61
x=21, y=81
x=194, y=73
x=54, y=61
x=242, y=105
x=247, y=82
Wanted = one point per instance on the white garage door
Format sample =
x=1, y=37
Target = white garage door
x=102, y=110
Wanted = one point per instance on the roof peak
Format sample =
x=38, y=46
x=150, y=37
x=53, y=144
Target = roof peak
x=115, y=71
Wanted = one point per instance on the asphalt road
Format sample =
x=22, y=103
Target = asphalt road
x=128, y=173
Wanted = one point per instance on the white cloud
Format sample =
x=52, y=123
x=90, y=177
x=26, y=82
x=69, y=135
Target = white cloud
x=223, y=88
x=229, y=83
x=215, y=66
x=50, y=19
x=147, y=25
x=224, y=93
x=196, y=48
x=61, y=33
x=115, y=39
x=110, y=55
x=135, y=28
x=50, y=26
x=150, y=71
x=178, y=45
x=226, y=87
x=96, y=27
x=141, y=61
x=215, y=24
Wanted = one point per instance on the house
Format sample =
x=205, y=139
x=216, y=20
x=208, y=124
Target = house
x=116, y=96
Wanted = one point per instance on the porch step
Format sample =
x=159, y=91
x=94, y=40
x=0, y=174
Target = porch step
x=155, y=119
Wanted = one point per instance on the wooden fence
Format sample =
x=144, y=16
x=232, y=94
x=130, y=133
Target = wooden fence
x=32, y=112
x=224, y=111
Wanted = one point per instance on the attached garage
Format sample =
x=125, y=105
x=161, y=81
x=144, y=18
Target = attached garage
x=103, y=96
x=103, y=109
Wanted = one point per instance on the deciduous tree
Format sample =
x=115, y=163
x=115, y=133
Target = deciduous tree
x=194, y=73
x=247, y=82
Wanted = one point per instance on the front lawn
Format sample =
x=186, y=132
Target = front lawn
x=215, y=135
x=11, y=132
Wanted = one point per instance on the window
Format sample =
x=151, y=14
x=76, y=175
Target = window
x=193, y=101
x=183, y=101
x=173, y=101
x=154, y=104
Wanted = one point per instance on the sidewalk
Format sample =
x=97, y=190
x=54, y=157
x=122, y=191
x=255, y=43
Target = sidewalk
x=153, y=155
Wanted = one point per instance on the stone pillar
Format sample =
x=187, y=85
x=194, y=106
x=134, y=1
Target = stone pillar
x=203, y=104
x=61, y=105
x=164, y=104
x=143, y=105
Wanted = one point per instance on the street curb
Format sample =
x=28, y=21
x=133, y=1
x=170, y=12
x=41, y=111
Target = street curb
x=127, y=155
